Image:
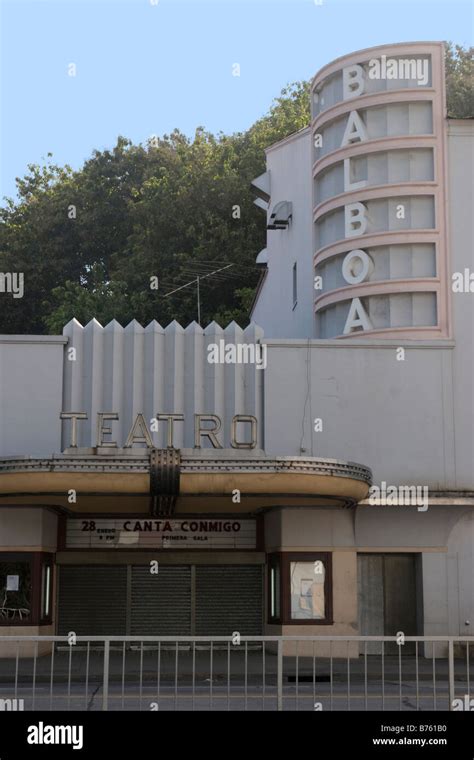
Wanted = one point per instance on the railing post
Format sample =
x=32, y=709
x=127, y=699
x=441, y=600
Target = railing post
x=451, y=672
x=280, y=675
x=105, y=690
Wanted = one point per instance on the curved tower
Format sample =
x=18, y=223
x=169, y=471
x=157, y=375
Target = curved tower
x=379, y=194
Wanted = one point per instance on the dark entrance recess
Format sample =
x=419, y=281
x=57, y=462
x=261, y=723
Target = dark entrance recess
x=387, y=598
x=201, y=600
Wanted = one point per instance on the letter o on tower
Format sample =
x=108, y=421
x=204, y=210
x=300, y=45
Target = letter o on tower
x=357, y=266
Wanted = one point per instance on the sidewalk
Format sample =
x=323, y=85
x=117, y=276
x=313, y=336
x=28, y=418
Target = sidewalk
x=76, y=663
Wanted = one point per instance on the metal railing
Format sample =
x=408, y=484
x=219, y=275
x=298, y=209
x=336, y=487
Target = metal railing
x=236, y=673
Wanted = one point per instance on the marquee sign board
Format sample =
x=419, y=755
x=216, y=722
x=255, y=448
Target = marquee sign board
x=190, y=533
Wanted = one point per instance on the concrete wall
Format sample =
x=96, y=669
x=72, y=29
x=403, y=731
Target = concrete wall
x=153, y=370
x=312, y=530
x=289, y=163
x=29, y=529
x=24, y=649
x=30, y=394
x=395, y=416
x=461, y=231
x=443, y=536
x=410, y=420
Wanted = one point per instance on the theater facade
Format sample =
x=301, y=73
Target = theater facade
x=311, y=474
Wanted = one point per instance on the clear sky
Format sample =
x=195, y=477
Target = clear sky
x=144, y=67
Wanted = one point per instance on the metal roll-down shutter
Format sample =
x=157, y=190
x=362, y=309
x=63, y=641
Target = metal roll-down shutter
x=229, y=598
x=161, y=603
x=92, y=600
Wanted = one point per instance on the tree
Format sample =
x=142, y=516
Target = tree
x=65, y=226
x=459, y=68
x=88, y=242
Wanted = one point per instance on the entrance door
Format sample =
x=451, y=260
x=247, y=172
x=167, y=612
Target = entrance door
x=387, y=599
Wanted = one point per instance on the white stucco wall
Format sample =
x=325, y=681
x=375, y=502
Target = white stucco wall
x=31, y=376
x=28, y=529
x=289, y=163
x=461, y=235
x=444, y=535
x=397, y=417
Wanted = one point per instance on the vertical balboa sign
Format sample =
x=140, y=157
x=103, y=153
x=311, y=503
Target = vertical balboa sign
x=379, y=154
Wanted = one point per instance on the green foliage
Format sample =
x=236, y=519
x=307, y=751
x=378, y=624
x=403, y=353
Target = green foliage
x=162, y=209
x=459, y=67
x=89, y=241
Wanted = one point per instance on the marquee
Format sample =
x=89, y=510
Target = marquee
x=161, y=534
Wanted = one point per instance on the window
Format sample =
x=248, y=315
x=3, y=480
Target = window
x=295, y=286
x=25, y=588
x=15, y=590
x=307, y=590
x=300, y=588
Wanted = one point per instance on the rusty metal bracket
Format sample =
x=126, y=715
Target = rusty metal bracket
x=165, y=466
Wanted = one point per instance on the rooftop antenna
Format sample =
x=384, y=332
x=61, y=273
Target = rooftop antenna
x=197, y=281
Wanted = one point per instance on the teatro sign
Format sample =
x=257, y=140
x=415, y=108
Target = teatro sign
x=140, y=433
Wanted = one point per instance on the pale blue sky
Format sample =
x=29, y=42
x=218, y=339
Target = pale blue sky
x=145, y=68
